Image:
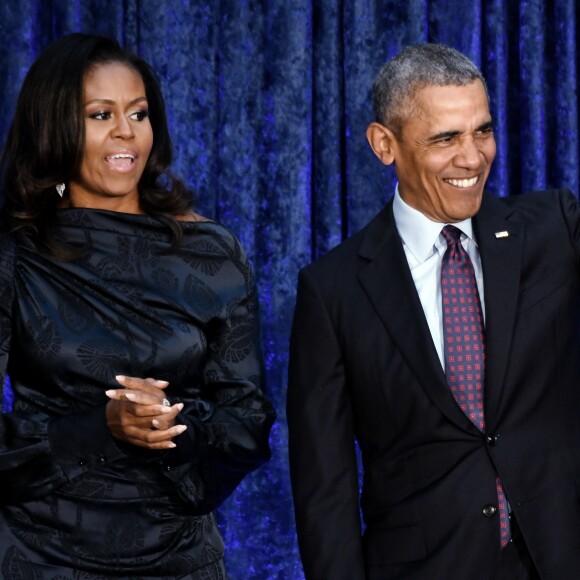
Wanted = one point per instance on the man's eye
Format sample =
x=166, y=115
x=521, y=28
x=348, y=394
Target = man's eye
x=445, y=140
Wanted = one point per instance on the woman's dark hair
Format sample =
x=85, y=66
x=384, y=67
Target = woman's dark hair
x=45, y=142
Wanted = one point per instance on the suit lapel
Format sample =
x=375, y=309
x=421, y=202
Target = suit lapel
x=387, y=280
x=501, y=259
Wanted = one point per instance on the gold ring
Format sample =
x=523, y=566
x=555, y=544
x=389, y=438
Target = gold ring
x=166, y=403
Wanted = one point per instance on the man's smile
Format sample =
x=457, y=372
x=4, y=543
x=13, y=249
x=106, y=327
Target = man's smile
x=463, y=183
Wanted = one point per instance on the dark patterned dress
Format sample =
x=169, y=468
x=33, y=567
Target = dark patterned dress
x=74, y=502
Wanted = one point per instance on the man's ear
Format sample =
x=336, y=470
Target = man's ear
x=382, y=140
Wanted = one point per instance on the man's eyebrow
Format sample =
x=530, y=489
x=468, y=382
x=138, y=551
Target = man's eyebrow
x=450, y=134
x=485, y=126
x=443, y=135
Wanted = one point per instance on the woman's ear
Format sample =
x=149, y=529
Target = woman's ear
x=381, y=139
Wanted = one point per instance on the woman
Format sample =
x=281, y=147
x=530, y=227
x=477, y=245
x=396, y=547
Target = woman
x=128, y=328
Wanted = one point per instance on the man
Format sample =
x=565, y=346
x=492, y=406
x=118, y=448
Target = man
x=444, y=339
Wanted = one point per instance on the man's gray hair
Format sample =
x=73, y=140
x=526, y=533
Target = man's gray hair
x=413, y=69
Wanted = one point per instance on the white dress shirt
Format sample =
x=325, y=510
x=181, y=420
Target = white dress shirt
x=424, y=247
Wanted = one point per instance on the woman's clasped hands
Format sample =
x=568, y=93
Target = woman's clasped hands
x=139, y=413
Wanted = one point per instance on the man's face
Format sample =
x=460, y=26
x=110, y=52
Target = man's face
x=445, y=150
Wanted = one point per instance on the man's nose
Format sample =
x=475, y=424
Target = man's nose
x=469, y=154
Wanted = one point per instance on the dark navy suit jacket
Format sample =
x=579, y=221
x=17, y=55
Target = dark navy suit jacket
x=363, y=366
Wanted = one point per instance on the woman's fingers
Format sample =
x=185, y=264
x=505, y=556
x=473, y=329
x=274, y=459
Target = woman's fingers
x=148, y=391
x=139, y=430
x=145, y=405
x=135, y=396
x=155, y=439
x=158, y=439
x=139, y=414
x=148, y=384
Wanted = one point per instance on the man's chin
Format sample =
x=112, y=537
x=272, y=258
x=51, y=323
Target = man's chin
x=467, y=205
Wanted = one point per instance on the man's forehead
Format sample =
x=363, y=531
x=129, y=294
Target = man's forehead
x=474, y=89
x=438, y=103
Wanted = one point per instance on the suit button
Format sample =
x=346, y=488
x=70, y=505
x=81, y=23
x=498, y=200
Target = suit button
x=82, y=461
x=491, y=439
x=489, y=511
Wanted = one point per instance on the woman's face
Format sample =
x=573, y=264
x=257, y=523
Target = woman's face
x=118, y=140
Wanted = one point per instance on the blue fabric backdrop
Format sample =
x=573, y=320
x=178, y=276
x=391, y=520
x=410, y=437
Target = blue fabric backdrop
x=268, y=101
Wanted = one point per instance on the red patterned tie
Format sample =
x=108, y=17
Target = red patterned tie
x=464, y=342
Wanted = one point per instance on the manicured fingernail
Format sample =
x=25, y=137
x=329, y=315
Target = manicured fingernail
x=130, y=396
x=180, y=429
x=120, y=377
x=171, y=444
x=179, y=406
x=162, y=383
x=110, y=393
x=155, y=423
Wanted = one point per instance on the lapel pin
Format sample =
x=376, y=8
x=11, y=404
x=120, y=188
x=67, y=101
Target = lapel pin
x=503, y=234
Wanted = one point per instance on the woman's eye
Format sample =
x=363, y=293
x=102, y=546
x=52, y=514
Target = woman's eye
x=140, y=115
x=101, y=116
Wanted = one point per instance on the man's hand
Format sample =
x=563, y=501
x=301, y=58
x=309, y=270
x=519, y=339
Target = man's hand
x=137, y=414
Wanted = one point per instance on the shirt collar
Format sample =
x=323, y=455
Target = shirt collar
x=418, y=232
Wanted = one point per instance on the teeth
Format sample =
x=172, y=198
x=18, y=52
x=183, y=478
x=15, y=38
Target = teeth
x=463, y=182
x=122, y=156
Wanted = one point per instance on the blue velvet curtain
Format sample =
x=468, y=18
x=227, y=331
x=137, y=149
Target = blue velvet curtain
x=268, y=102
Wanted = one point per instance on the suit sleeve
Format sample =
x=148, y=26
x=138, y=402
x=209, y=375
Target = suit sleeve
x=323, y=463
x=571, y=211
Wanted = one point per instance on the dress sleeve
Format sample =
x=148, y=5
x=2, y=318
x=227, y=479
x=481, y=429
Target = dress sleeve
x=229, y=422
x=39, y=452
x=6, y=302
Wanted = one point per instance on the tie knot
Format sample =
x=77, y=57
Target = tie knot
x=451, y=234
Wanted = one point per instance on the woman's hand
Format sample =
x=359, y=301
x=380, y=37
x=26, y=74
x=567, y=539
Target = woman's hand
x=139, y=414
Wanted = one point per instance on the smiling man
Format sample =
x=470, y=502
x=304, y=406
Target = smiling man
x=444, y=339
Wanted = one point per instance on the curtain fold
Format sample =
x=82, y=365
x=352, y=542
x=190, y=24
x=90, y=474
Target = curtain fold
x=268, y=103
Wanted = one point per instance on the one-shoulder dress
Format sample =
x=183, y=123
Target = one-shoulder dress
x=75, y=503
